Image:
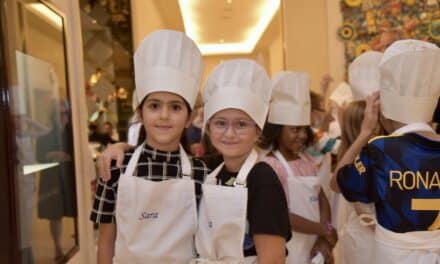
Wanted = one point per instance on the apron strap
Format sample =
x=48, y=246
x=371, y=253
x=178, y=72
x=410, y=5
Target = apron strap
x=211, y=178
x=133, y=161
x=242, y=174
x=367, y=220
x=246, y=168
x=283, y=161
x=185, y=163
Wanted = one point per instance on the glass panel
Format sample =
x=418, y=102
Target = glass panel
x=46, y=178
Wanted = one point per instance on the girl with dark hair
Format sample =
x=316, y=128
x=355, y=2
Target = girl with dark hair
x=288, y=134
x=147, y=209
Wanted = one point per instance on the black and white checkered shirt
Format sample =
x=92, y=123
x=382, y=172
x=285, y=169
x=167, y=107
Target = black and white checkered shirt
x=153, y=165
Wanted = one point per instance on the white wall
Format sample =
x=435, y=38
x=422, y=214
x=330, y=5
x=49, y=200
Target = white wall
x=311, y=41
x=276, y=58
x=145, y=18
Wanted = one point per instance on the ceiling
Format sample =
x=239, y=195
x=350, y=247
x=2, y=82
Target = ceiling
x=219, y=23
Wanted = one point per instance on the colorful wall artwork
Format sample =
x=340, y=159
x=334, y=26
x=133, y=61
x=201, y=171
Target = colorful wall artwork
x=375, y=24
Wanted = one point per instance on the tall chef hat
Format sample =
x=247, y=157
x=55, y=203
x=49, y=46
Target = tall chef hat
x=168, y=61
x=241, y=84
x=410, y=80
x=290, y=104
x=364, y=75
x=342, y=94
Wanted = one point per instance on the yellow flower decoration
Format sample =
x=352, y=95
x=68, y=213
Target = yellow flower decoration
x=353, y=3
x=410, y=2
x=347, y=31
x=361, y=48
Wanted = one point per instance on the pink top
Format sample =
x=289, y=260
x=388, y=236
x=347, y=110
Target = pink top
x=300, y=167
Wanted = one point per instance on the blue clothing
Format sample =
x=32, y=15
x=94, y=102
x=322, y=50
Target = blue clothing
x=194, y=135
x=392, y=171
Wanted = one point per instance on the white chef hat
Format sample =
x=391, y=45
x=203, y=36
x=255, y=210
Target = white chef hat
x=342, y=94
x=290, y=104
x=364, y=75
x=168, y=61
x=410, y=81
x=241, y=84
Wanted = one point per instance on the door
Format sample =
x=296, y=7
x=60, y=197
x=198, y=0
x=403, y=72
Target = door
x=41, y=129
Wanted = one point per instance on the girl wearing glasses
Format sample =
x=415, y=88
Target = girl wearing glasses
x=147, y=209
x=288, y=134
x=243, y=211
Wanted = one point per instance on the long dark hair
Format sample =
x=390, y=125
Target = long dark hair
x=143, y=134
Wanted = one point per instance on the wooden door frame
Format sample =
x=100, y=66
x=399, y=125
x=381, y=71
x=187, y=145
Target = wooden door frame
x=9, y=244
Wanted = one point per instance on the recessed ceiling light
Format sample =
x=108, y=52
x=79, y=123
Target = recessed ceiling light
x=229, y=2
x=266, y=11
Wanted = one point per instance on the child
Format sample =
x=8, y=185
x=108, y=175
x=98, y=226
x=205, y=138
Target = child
x=399, y=173
x=243, y=212
x=357, y=235
x=288, y=133
x=147, y=210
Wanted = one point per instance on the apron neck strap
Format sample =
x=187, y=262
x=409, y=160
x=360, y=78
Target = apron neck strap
x=186, y=163
x=414, y=127
x=283, y=161
x=133, y=161
x=242, y=174
x=211, y=178
x=246, y=168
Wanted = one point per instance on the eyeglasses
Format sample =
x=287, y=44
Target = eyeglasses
x=240, y=126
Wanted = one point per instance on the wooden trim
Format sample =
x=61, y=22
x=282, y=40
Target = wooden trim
x=9, y=248
x=83, y=163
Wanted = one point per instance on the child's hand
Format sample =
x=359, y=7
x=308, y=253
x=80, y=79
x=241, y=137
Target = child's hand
x=332, y=237
x=323, y=247
x=112, y=152
x=371, y=114
x=325, y=83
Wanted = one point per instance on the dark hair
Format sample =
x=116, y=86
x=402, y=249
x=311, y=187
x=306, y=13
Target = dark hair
x=269, y=136
x=208, y=148
x=143, y=134
x=272, y=132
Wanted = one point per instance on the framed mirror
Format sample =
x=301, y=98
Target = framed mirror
x=46, y=193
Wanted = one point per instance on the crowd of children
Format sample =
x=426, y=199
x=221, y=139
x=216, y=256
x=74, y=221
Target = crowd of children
x=259, y=189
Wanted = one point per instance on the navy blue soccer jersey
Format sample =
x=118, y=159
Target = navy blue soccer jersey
x=401, y=175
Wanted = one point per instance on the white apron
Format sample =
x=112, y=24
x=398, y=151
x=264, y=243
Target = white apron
x=357, y=239
x=156, y=221
x=222, y=218
x=304, y=201
x=418, y=247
